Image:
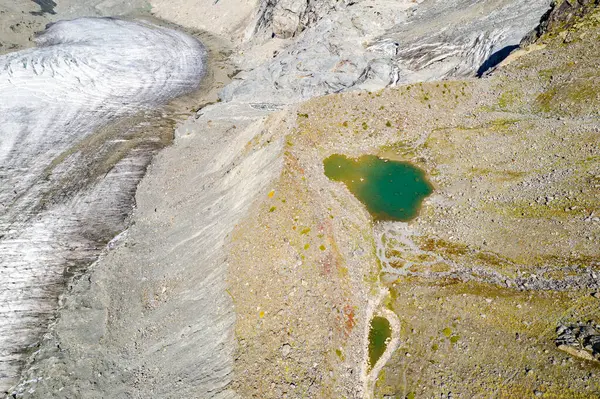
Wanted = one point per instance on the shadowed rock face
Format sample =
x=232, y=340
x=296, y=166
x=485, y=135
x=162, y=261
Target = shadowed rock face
x=61, y=152
x=47, y=6
x=562, y=15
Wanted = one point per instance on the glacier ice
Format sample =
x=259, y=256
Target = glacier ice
x=83, y=75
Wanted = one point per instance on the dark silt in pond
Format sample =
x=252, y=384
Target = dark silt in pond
x=379, y=335
x=390, y=190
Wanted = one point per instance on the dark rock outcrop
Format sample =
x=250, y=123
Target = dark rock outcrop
x=581, y=340
x=562, y=15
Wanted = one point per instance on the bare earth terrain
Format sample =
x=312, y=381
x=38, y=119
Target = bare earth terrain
x=504, y=253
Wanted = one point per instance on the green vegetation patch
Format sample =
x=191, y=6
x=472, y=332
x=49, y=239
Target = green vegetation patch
x=509, y=98
x=576, y=97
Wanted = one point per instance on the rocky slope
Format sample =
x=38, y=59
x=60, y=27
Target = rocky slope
x=373, y=44
x=493, y=284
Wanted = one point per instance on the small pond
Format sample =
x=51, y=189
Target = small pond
x=379, y=335
x=390, y=190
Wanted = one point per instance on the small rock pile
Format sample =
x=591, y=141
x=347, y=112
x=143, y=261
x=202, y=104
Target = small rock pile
x=581, y=340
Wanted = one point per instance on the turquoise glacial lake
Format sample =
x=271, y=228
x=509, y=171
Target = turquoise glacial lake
x=391, y=190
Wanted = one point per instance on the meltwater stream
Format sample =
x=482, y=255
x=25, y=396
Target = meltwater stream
x=66, y=179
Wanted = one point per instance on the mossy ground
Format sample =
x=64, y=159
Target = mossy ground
x=515, y=175
x=479, y=340
x=291, y=285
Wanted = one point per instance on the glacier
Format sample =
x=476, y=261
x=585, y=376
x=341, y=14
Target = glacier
x=67, y=179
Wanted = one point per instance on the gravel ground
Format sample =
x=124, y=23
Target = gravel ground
x=503, y=252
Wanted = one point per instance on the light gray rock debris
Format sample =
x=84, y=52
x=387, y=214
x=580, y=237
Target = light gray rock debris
x=372, y=44
x=580, y=339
